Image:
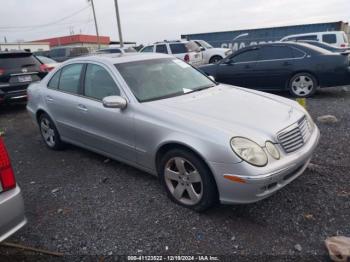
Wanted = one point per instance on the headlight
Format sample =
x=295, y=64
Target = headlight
x=249, y=151
x=311, y=123
x=272, y=149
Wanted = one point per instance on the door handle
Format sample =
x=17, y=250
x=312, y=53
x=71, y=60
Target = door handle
x=82, y=108
x=49, y=99
x=247, y=66
x=287, y=63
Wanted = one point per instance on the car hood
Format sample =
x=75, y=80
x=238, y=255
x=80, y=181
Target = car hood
x=219, y=49
x=233, y=110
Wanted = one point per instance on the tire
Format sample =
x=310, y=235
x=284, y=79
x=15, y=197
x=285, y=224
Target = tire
x=49, y=133
x=187, y=180
x=215, y=59
x=302, y=85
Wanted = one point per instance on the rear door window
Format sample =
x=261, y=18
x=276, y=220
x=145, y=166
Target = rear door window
x=247, y=56
x=329, y=38
x=275, y=52
x=99, y=83
x=70, y=78
x=161, y=49
x=307, y=37
x=178, y=48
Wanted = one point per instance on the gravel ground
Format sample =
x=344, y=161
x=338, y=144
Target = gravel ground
x=80, y=204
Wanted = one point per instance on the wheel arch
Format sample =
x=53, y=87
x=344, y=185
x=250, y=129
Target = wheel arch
x=165, y=147
x=215, y=55
x=38, y=113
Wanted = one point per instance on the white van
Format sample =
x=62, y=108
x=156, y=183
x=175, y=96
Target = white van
x=335, y=38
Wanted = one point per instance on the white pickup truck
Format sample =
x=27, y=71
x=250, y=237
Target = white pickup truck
x=212, y=55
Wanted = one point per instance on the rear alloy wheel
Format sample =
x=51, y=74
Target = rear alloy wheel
x=187, y=180
x=302, y=85
x=215, y=59
x=49, y=133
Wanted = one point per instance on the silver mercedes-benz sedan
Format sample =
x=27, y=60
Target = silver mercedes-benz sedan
x=206, y=141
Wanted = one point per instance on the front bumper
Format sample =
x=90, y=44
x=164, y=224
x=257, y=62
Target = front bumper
x=261, y=182
x=12, y=216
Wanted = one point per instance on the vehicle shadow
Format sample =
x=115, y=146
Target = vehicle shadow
x=322, y=93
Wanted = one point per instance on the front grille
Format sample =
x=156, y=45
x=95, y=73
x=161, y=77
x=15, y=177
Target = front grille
x=294, y=137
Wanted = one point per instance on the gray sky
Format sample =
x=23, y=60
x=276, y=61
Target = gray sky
x=146, y=21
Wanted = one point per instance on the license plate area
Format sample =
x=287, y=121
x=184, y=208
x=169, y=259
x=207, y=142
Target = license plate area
x=25, y=78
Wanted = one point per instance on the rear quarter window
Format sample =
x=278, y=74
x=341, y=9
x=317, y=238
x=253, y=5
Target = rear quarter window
x=297, y=53
x=178, y=48
x=55, y=80
x=329, y=38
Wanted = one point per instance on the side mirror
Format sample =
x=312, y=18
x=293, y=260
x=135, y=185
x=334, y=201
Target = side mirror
x=114, y=102
x=212, y=78
x=201, y=48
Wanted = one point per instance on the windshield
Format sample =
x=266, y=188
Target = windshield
x=162, y=78
x=205, y=44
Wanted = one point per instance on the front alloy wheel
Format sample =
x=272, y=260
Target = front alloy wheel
x=183, y=181
x=187, y=179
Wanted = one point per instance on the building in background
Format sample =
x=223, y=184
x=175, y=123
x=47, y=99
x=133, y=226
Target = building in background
x=241, y=38
x=89, y=41
x=27, y=46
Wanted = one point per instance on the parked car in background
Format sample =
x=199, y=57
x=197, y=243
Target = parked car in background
x=112, y=50
x=212, y=55
x=12, y=216
x=48, y=62
x=335, y=38
x=297, y=67
x=187, y=51
x=41, y=53
x=206, y=141
x=326, y=46
x=61, y=54
x=17, y=70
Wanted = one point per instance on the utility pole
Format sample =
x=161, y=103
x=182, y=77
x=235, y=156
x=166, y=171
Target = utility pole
x=96, y=27
x=119, y=25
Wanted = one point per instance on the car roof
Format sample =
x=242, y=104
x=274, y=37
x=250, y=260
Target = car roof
x=171, y=42
x=313, y=33
x=300, y=45
x=117, y=58
x=15, y=52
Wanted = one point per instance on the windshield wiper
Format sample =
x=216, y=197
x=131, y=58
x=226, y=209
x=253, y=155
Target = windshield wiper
x=200, y=89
